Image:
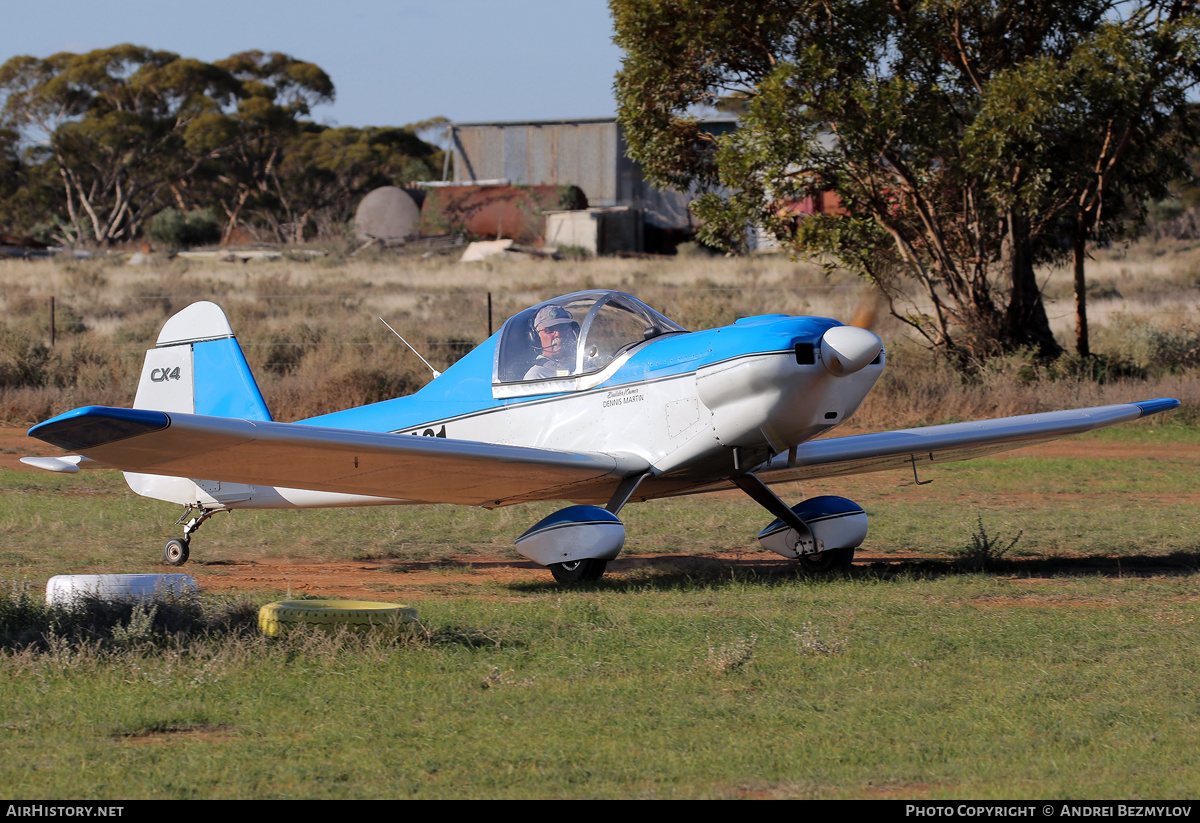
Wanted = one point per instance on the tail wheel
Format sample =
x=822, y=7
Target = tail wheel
x=579, y=571
x=827, y=561
x=175, y=553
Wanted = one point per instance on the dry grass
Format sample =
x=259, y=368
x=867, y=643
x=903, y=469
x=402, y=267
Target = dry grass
x=308, y=325
x=1149, y=278
x=916, y=391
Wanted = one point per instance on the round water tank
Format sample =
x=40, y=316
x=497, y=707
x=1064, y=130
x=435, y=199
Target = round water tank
x=389, y=215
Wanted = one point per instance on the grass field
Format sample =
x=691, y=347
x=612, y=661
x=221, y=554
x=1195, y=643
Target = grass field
x=1050, y=674
x=917, y=686
x=1063, y=670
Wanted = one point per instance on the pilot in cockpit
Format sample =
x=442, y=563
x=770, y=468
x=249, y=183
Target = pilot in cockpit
x=555, y=335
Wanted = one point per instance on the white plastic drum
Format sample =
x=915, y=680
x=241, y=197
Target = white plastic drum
x=65, y=589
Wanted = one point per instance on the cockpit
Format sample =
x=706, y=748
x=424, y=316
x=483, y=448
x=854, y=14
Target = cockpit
x=572, y=342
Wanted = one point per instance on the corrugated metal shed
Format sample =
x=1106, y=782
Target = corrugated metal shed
x=548, y=153
x=588, y=153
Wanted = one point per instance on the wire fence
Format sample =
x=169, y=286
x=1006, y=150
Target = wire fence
x=490, y=320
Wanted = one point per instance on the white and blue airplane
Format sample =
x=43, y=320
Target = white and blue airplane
x=593, y=398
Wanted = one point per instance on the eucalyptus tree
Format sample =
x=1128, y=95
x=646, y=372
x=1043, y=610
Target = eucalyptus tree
x=325, y=171
x=967, y=140
x=115, y=123
x=24, y=197
x=130, y=130
x=277, y=92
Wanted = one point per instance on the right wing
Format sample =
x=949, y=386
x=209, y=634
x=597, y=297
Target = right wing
x=297, y=456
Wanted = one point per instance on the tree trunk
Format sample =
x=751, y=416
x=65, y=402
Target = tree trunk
x=1082, y=345
x=1025, y=321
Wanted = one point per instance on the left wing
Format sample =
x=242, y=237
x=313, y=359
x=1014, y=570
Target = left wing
x=931, y=445
x=292, y=455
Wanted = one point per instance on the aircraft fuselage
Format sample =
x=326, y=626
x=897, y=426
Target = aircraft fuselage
x=682, y=402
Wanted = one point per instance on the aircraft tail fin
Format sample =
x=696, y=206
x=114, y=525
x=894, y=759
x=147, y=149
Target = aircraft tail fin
x=197, y=367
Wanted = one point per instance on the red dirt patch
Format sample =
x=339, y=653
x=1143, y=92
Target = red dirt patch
x=15, y=444
x=411, y=582
x=205, y=732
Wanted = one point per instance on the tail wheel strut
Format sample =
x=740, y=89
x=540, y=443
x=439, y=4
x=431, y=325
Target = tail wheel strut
x=177, y=550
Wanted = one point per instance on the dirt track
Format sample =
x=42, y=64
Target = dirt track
x=415, y=581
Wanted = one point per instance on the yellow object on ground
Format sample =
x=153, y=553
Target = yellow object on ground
x=330, y=615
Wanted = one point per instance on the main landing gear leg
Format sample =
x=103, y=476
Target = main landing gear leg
x=758, y=491
x=176, y=552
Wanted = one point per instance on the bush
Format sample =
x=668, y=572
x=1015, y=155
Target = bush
x=27, y=621
x=570, y=250
x=24, y=360
x=985, y=550
x=176, y=230
x=1147, y=346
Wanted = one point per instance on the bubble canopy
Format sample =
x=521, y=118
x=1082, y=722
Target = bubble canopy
x=605, y=325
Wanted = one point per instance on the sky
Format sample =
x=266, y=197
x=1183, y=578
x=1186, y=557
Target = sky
x=393, y=62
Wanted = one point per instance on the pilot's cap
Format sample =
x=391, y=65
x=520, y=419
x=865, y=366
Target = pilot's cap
x=551, y=316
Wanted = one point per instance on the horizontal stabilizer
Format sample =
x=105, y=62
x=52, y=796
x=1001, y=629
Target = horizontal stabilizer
x=67, y=464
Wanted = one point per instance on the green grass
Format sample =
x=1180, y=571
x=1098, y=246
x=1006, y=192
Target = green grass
x=1157, y=430
x=941, y=687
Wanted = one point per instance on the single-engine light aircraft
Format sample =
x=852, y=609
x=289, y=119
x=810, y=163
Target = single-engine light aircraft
x=593, y=398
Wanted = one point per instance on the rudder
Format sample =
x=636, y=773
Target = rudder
x=197, y=367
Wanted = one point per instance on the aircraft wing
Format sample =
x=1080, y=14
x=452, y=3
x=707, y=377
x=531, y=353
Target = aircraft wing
x=292, y=455
x=934, y=445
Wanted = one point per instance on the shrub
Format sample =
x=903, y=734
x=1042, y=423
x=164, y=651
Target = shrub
x=177, y=230
x=1148, y=346
x=571, y=250
x=985, y=549
x=24, y=360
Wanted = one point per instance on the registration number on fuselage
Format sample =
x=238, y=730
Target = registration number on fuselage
x=429, y=432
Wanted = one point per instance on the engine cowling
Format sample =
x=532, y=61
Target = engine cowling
x=778, y=397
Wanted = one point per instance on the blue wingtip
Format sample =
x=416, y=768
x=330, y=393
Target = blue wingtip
x=1160, y=404
x=92, y=426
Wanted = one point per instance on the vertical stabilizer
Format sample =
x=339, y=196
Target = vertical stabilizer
x=197, y=367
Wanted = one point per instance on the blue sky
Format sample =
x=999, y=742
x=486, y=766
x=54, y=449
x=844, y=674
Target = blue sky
x=393, y=63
